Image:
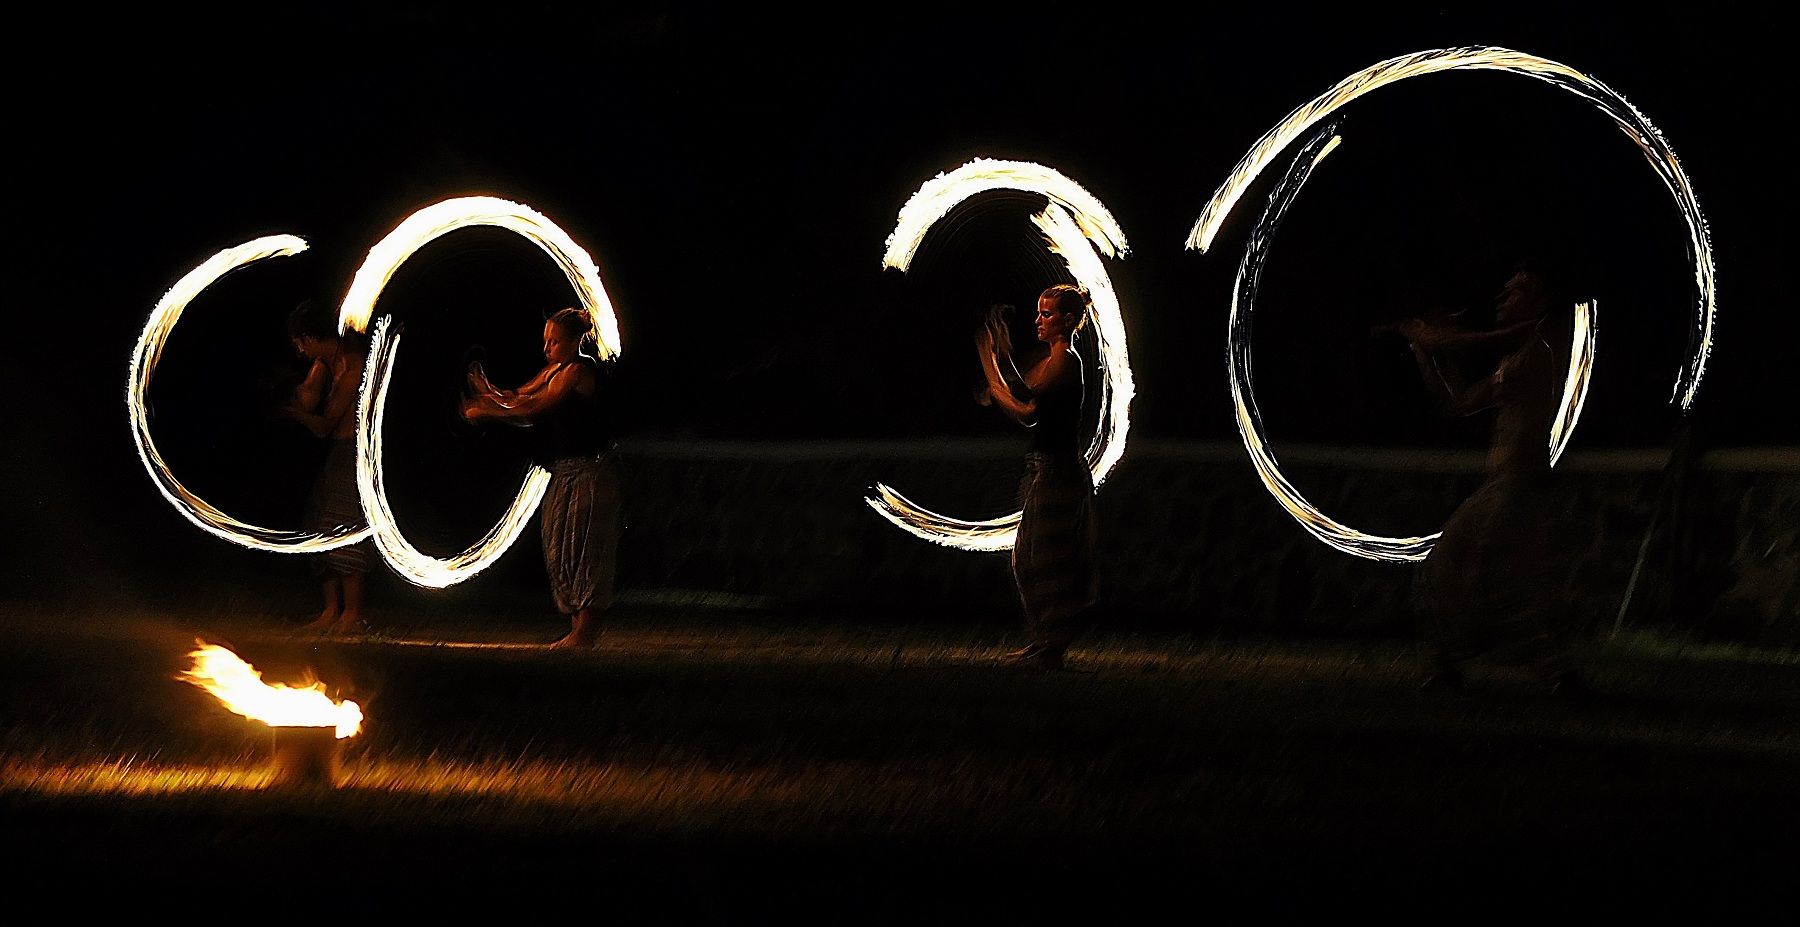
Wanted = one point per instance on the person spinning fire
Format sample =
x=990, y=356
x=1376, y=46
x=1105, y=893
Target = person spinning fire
x=1053, y=556
x=324, y=404
x=581, y=511
x=1495, y=583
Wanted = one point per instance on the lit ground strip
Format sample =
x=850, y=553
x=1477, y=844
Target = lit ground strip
x=384, y=259
x=143, y=367
x=1249, y=418
x=1074, y=224
x=1635, y=126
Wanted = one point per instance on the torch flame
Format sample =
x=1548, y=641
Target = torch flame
x=240, y=687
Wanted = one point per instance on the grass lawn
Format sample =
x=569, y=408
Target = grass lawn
x=709, y=765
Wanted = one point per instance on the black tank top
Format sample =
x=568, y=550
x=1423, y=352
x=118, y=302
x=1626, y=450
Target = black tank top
x=1058, y=425
x=577, y=426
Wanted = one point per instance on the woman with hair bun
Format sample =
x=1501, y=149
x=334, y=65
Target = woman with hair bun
x=581, y=509
x=1053, y=556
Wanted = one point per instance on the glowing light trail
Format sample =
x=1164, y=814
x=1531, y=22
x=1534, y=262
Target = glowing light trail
x=143, y=367
x=1249, y=418
x=1575, y=385
x=1661, y=158
x=1634, y=124
x=1074, y=224
x=240, y=687
x=384, y=259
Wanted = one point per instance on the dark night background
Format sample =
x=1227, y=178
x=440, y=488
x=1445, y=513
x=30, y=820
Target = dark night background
x=735, y=171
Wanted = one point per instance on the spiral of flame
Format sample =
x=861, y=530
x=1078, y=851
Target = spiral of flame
x=1634, y=124
x=1638, y=128
x=1249, y=420
x=384, y=259
x=1074, y=223
x=144, y=359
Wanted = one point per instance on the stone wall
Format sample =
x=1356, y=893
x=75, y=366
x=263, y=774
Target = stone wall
x=1192, y=542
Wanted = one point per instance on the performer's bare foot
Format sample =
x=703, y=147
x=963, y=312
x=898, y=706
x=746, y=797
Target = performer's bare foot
x=584, y=632
x=1030, y=650
x=327, y=621
x=1038, y=655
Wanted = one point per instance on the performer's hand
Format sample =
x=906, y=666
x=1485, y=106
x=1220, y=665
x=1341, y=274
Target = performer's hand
x=1422, y=334
x=999, y=332
x=478, y=379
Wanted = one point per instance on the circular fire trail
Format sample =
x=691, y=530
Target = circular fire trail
x=1249, y=419
x=143, y=367
x=384, y=259
x=1074, y=223
x=1648, y=139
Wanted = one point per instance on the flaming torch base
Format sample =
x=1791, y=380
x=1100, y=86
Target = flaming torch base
x=305, y=756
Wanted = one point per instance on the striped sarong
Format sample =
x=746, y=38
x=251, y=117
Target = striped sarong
x=580, y=520
x=1053, y=557
x=334, y=504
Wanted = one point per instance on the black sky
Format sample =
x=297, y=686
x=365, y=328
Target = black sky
x=735, y=172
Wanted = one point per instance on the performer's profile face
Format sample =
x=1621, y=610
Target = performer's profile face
x=307, y=347
x=559, y=348
x=1051, y=322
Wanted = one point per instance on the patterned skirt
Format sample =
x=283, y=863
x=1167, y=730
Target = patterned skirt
x=1053, y=558
x=580, y=522
x=333, y=505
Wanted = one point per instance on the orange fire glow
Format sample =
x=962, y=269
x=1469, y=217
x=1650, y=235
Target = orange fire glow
x=240, y=687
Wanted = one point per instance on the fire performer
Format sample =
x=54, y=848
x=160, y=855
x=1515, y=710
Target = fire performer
x=1053, y=555
x=324, y=403
x=1495, y=583
x=581, y=509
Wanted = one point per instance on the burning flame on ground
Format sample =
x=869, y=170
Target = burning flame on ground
x=1249, y=420
x=143, y=367
x=1074, y=223
x=240, y=687
x=384, y=259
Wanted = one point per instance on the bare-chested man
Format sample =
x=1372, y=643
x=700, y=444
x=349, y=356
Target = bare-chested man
x=324, y=403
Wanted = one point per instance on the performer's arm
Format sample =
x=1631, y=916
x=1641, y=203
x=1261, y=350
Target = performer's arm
x=339, y=405
x=311, y=391
x=479, y=385
x=530, y=402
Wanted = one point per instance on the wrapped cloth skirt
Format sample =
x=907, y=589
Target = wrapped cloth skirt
x=1496, y=583
x=1053, y=557
x=334, y=504
x=580, y=522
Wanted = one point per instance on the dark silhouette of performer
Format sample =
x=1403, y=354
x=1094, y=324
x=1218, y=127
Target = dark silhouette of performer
x=1053, y=557
x=324, y=403
x=580, y=515
x=1495, y=583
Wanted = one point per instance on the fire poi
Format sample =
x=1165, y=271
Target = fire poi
x=384, y=259
x=1077, y=227
x=1298, y=123
x=307, y=724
